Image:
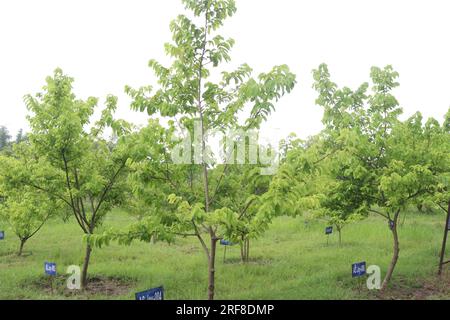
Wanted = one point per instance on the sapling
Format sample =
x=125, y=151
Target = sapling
x=76, y=164
x=190, y=99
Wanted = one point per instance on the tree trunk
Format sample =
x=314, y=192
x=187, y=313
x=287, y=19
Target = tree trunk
x=444, y=243
x=22, y=244
x=84, y=273
x=395, y=256
x=340, y=236
x=247, y=252
x=211, y=269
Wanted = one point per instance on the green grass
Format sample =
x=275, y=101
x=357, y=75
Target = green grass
x=292, y=261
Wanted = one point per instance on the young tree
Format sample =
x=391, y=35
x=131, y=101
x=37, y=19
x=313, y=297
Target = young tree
x=340, y=200
x=79, y=167
x=242, y=190
x=189, y=97
x=23, y=208
x=437, y=142
x=424, y=144
x=293, y=190
x=310, y=181
x=389, y=162
x=26, y=212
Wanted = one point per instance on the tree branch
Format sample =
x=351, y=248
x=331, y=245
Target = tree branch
x=105, y=192
x=379, y=213
x=205, y=247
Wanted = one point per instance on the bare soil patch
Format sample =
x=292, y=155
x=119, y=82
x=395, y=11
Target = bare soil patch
x=104, y=286
x=432, y=288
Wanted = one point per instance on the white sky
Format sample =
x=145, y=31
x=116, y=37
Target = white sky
x=106, y=44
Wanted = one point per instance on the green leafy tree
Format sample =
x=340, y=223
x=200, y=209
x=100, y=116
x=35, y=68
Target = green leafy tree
x=242, y=190
x=24, y=209
x=76, y=164
x=443, y=197
x=392, y=170
x=340, y=197
x=430, y=140
x=26, y=212
x=187, y=96
x=292, y=191
x=310, y=183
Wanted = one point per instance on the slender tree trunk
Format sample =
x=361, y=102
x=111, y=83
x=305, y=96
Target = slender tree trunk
x=340, y=236
x=84, y=272
x=444, y=243
x=22, y=244
x=395, y=256
x=212, y=269
x=247, y=251
x=224, y=254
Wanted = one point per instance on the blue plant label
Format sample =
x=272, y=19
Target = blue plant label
x=152, y=294
x=358, y=269
x=2, y=235
x=391, y=224
x=329, y=230
x=225, y=243
x=50, y=268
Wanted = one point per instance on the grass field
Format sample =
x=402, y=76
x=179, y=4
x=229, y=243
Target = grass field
x=292, y=261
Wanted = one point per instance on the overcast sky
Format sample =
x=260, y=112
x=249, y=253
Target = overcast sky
x=106, y=44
